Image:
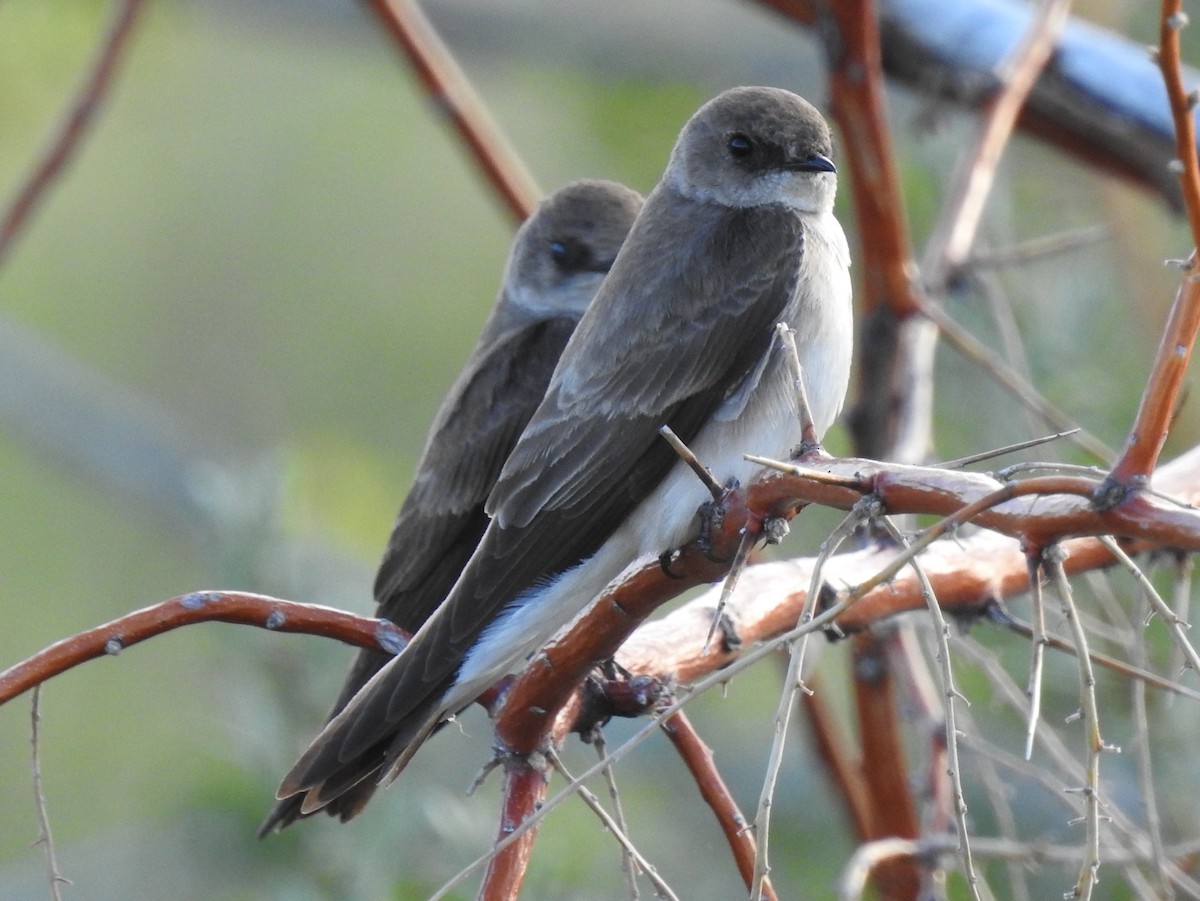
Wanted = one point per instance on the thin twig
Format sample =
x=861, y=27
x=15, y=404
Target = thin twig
x=950, y=242
x=1040, y=248
x=628, y=863
x=45, y=836
x=610, y=824
x=703, y=473
x=1007, y=449
x=740, y=560
x=453, y=97
x=1181, y=604
x=793, y=682
x=867, y=857
x=1127, y=838
x=1013, y=382
x=1123, y=667
x=1090, y=712
x=1177, y=626
x=69, y=135
x=808, y=430
x=1037, y=651
x=951, y=694
x=1145, y=763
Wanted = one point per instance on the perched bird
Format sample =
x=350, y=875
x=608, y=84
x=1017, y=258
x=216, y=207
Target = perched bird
x=558, y=259
x=738, y=235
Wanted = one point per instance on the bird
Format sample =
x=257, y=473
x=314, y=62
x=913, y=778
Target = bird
x=738, y=236
x=557, y=261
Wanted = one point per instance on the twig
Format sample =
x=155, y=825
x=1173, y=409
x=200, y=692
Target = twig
x=525, y=787
x=660, y=885
x=703, y=473
x=1172, y=21
x=951, y=694
x=454, y=98
x=1013, y=382
x=67, y=139
x=1177, y=626
x=1037, y=652
x=960, y=462
x=867, y=857
x=1145, y=764
x=793, y=682
x=740, y=560
x=1039, y=248
x=1181, y=602
x=1122, y=667
x=628, y=863
x=1090, y=713
x=1128, y=840
x=950, y=242
x=699, y=761
x=808, y=430
x=45, y=836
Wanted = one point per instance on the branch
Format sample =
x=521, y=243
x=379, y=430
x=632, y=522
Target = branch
x=66, y=141
x=1149, y=430
x=453, y=97
x=954, y=234
x=525, y=784
x=699, y=761
x=187, y=610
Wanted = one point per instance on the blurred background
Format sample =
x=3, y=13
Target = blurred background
x=265, y=267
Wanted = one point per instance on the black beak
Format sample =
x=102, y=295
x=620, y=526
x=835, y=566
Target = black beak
x=816, y=163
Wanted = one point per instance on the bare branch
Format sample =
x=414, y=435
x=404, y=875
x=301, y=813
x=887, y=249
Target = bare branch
x=453, y=97
x=1149, y=430
x=66, y=141
x=45, y=836
x=198, y=607
x=950, y=243
x=699, y=761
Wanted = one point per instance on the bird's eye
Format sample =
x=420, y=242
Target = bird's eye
x=570, y=255
x=739, y=146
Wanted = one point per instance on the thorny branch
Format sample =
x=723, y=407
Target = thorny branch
x=1149, y=430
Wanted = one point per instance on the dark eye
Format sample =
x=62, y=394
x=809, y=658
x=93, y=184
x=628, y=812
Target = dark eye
x=739, y=146
x=570, y=255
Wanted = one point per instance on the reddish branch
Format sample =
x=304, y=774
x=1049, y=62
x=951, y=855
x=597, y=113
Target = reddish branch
x=524, y=790
x=70, y=133
x=856, y=103
x=453, y=96
x=880, y=726
x=833, y=750
x=966, y=575
x=1150, y=427
x=198, y=607
x=699, y=760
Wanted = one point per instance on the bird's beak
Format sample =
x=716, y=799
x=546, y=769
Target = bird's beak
x=818, y=162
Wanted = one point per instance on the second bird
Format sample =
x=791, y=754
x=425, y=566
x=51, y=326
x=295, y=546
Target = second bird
x=558, y=259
